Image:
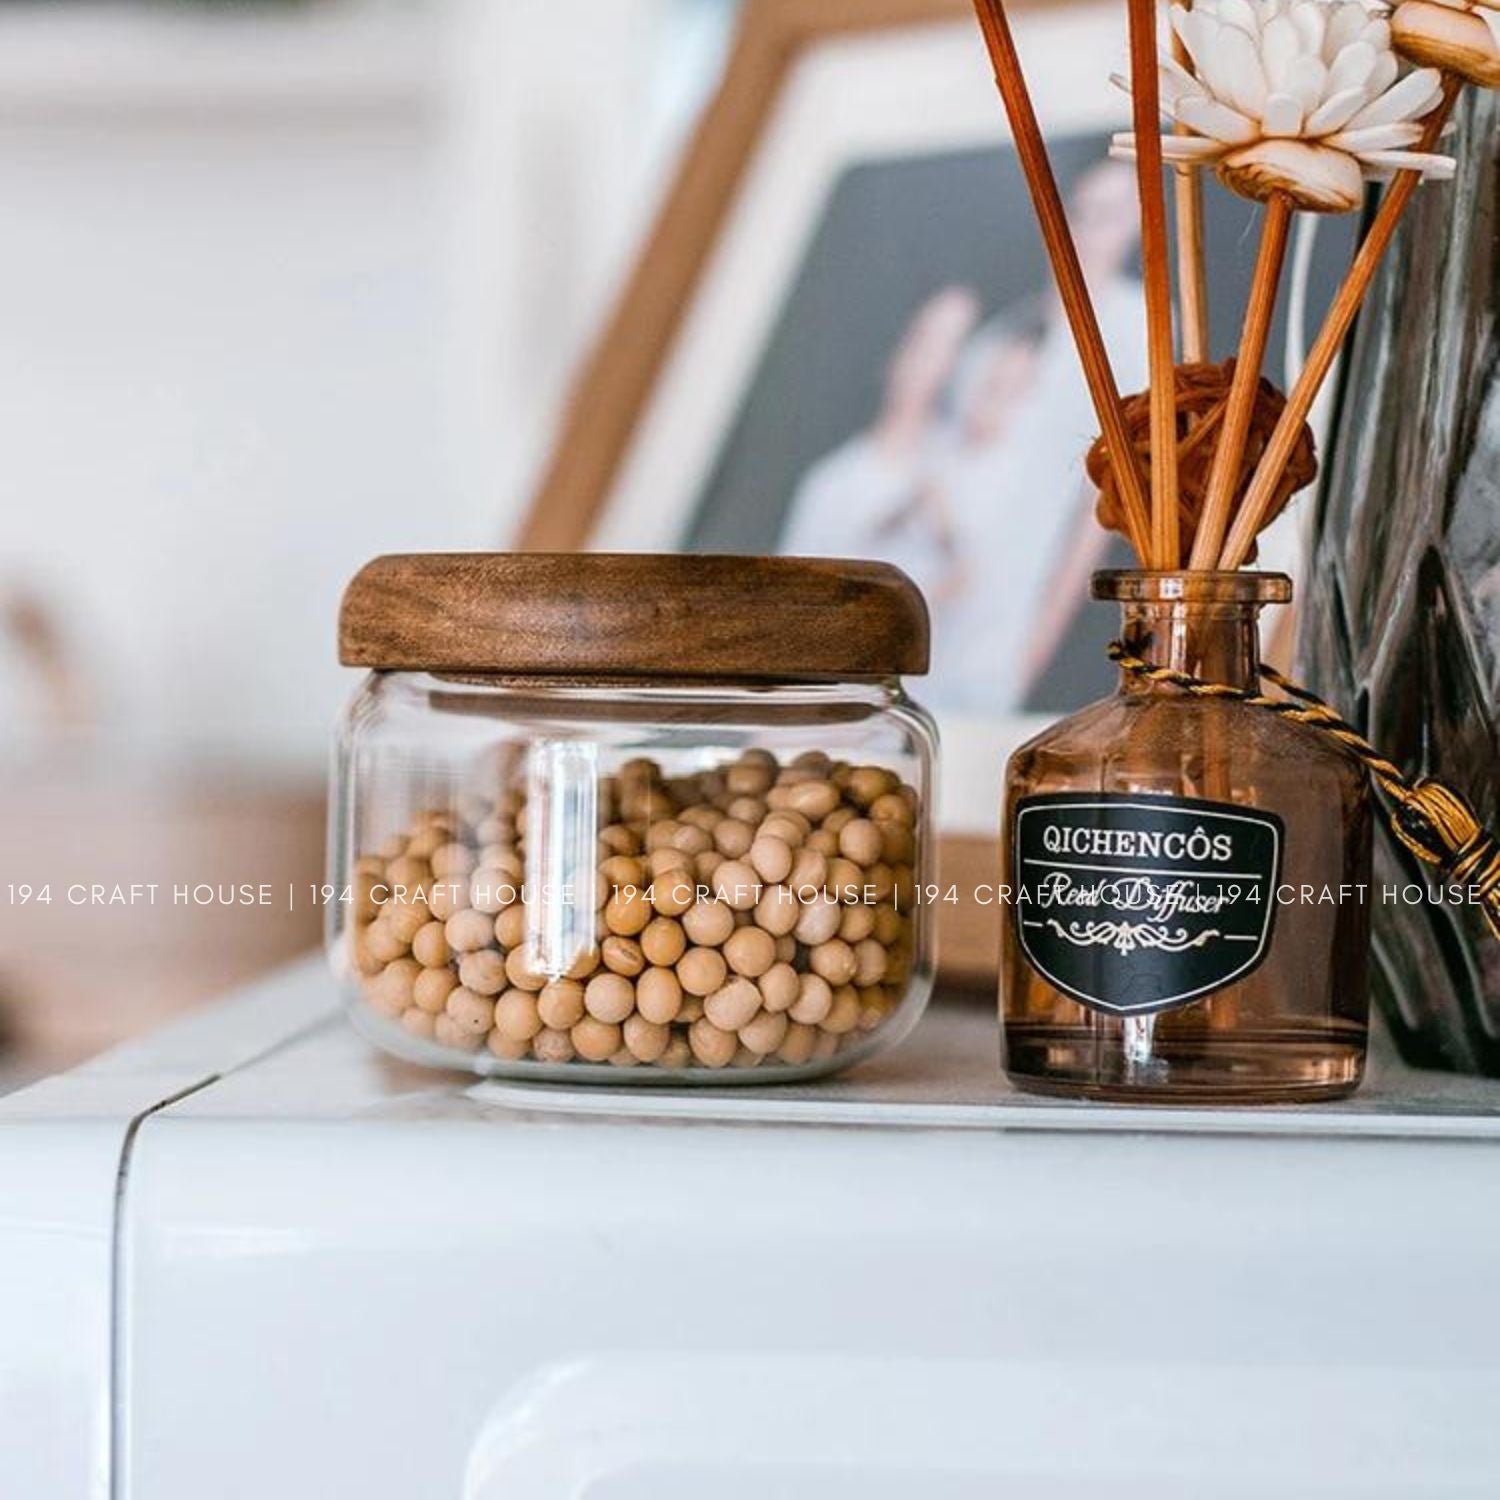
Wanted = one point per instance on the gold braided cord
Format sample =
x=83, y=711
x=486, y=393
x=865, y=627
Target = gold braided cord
x=1430, y=819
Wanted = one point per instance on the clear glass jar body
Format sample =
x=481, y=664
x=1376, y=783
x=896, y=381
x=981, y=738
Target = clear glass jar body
x=631, y=881
x=1291, y=915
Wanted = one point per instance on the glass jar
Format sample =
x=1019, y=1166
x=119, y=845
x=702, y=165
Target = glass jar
x=1188, y=914
x=632, y=819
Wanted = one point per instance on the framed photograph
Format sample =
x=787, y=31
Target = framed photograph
x=842, y=339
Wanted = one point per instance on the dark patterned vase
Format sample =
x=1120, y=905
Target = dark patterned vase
x=1402, y=620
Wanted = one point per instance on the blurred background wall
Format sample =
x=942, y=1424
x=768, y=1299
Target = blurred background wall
x=282, y=286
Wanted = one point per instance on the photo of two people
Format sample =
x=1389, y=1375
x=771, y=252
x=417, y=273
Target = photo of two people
x=974, y=448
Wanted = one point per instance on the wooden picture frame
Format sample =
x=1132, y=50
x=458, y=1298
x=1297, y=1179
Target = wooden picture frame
x=641, y=390
x=614, y=385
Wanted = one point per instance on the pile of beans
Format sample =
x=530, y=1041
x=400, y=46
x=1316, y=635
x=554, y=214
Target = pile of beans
x=753, y=914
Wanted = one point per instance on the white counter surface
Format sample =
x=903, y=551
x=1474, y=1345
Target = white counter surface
x=251, y=1254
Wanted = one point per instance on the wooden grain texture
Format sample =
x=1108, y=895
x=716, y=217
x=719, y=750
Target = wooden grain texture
x=615, y=382
x=1239, y=408
x=1253, y=509
x=1156, y=260
x=634, y=615
x=1031, y=151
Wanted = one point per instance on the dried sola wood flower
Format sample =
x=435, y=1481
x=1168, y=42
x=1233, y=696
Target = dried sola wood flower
x=1299, y=97
x=1456, y=35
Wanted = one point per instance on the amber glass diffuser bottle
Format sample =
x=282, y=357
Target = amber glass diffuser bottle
x=1189, y=912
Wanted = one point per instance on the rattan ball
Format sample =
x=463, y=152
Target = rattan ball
x=1202, y=390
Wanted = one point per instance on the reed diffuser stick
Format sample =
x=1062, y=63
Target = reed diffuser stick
x=1166, y=542
x=1224, y=474
x=1192, y=269
x=1192, y=273
x=1251, y=514
x=1063, y=255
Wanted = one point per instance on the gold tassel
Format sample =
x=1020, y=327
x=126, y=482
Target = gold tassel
x=1430, y=819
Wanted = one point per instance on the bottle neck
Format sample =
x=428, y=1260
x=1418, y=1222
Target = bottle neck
x=1219, y=642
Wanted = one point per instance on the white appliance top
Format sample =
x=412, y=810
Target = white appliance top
x=280, y=1050
x=253, y=1248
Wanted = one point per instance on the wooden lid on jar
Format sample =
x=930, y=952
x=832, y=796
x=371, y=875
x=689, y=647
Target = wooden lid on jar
x=634, y=615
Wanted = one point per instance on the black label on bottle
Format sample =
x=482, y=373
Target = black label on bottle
x=1135, y=904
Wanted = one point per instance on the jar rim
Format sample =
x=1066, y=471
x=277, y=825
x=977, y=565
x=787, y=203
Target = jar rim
x=1191, y=586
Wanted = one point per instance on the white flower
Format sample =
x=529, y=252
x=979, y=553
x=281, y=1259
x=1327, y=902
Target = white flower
x=1301, y=97
x=1462, y=37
